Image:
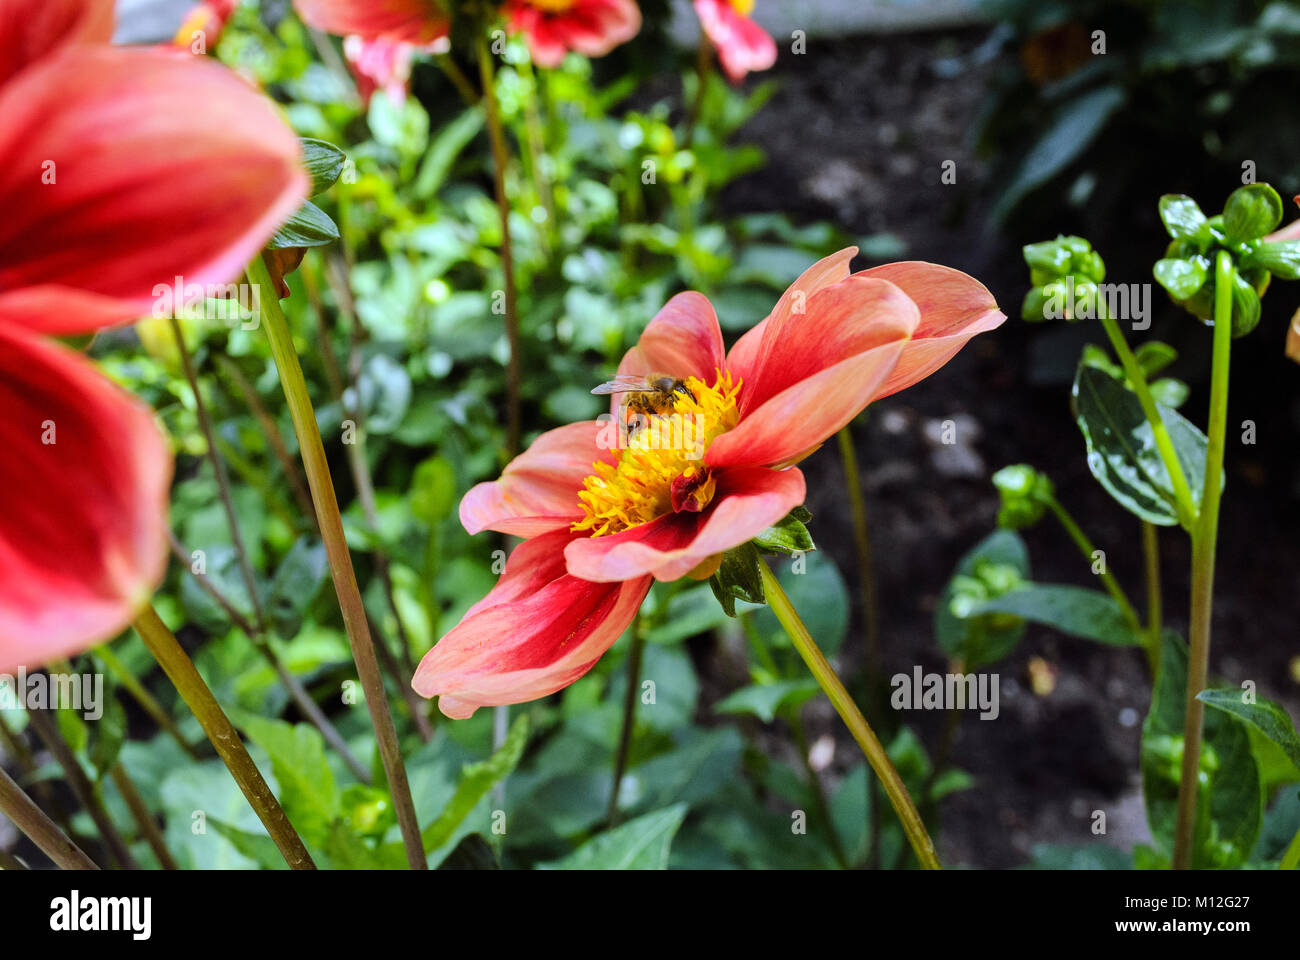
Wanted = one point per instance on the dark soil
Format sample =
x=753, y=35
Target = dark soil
x=858, y=134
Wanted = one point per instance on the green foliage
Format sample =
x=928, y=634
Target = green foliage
x=995, y=566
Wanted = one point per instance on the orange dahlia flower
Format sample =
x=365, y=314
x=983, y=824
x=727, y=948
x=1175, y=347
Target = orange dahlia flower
x=604, y=515
x=590, y=27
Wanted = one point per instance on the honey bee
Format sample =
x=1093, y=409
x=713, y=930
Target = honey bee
x=646, y=395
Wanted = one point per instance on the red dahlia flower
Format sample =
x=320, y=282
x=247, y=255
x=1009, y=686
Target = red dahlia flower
x=120, y=169
x=603, y=518
x=418, y=22
x=741, y=43
x=591, y=27
x=384, y=65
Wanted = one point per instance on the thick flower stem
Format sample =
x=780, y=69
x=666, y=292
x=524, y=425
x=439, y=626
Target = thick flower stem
x=1088, y=550
x=862, y=539
x=1204, y=542
x=629, y=714
x=500, y=158
x=853, y=719
x=1185, y=505
x=330, y=520
x=19, y=809
x=221, y=732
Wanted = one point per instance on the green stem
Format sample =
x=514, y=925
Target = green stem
x=629, y=714
x=42, y=721
x=40, y=829
x=1185, y=505
x=862, y=538
x=143, y=818
x=1204, y=543
x=500, y=158
x=1151, y=553
x=221, y=732
x=1087, y=548
x=852, y=717
x=330, y=521
x=537, y=155
x=144, y=698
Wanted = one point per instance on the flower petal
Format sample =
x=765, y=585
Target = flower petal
x=84, y=483
x=741, y=43
x=538, y=490
x=33, y=29
x=748, y=501
x=125, y=169
x=954, y=307
x=411, y=21
x=536, y=632
x=683, y=340
x=747, y=353
x=591, y=27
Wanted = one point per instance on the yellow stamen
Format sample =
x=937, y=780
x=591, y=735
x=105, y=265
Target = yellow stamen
x=743, y=7
x=639, y=487
x=552, y=6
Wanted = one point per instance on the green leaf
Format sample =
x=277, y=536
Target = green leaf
x=817, y=590
x=1122, y=452
x=1169, y=392
x=1230, y=803
x=1245, y=306
x=476, y=779
x=323, y=163
x=1077, y=611
x=308, y=792
x=1181, y=277
x=452, y=138
x=1265, y=715
x=765, y=700
x=1281, y=258
x=1181, y=216
x=737, y=578
x=108, y=733
x=787, y=536
x=640, y=844
x=1251, y=212
x=258, y=847
x=472, y=853
x=1153, y=356
x=310, y=226
x=297, y=583
x=433, y=490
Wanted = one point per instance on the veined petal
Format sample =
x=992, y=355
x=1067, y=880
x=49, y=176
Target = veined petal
x=84, y=483
x=747, y=353
x=801, y=417
x=748, y=500
x=683, y=340
x=838, y=321
x=954, y=307
x=538, y=491
x=536, y=632
x=410, y=21
x=33, y=29
x=125, y=169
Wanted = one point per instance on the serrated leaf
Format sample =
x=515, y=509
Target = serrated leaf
x=1077, y=611
x=308, y=792
x=1264, y=715
x=323, y=163
x=310, y=226
x=476, y=779
x=787, y=536
x=640, y=844
x=1122, y=452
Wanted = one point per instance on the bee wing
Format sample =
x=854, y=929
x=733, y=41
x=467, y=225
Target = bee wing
x=624, y=383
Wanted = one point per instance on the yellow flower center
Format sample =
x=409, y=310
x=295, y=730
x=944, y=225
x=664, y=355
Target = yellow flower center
x=743, y=7
x=660, y=468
